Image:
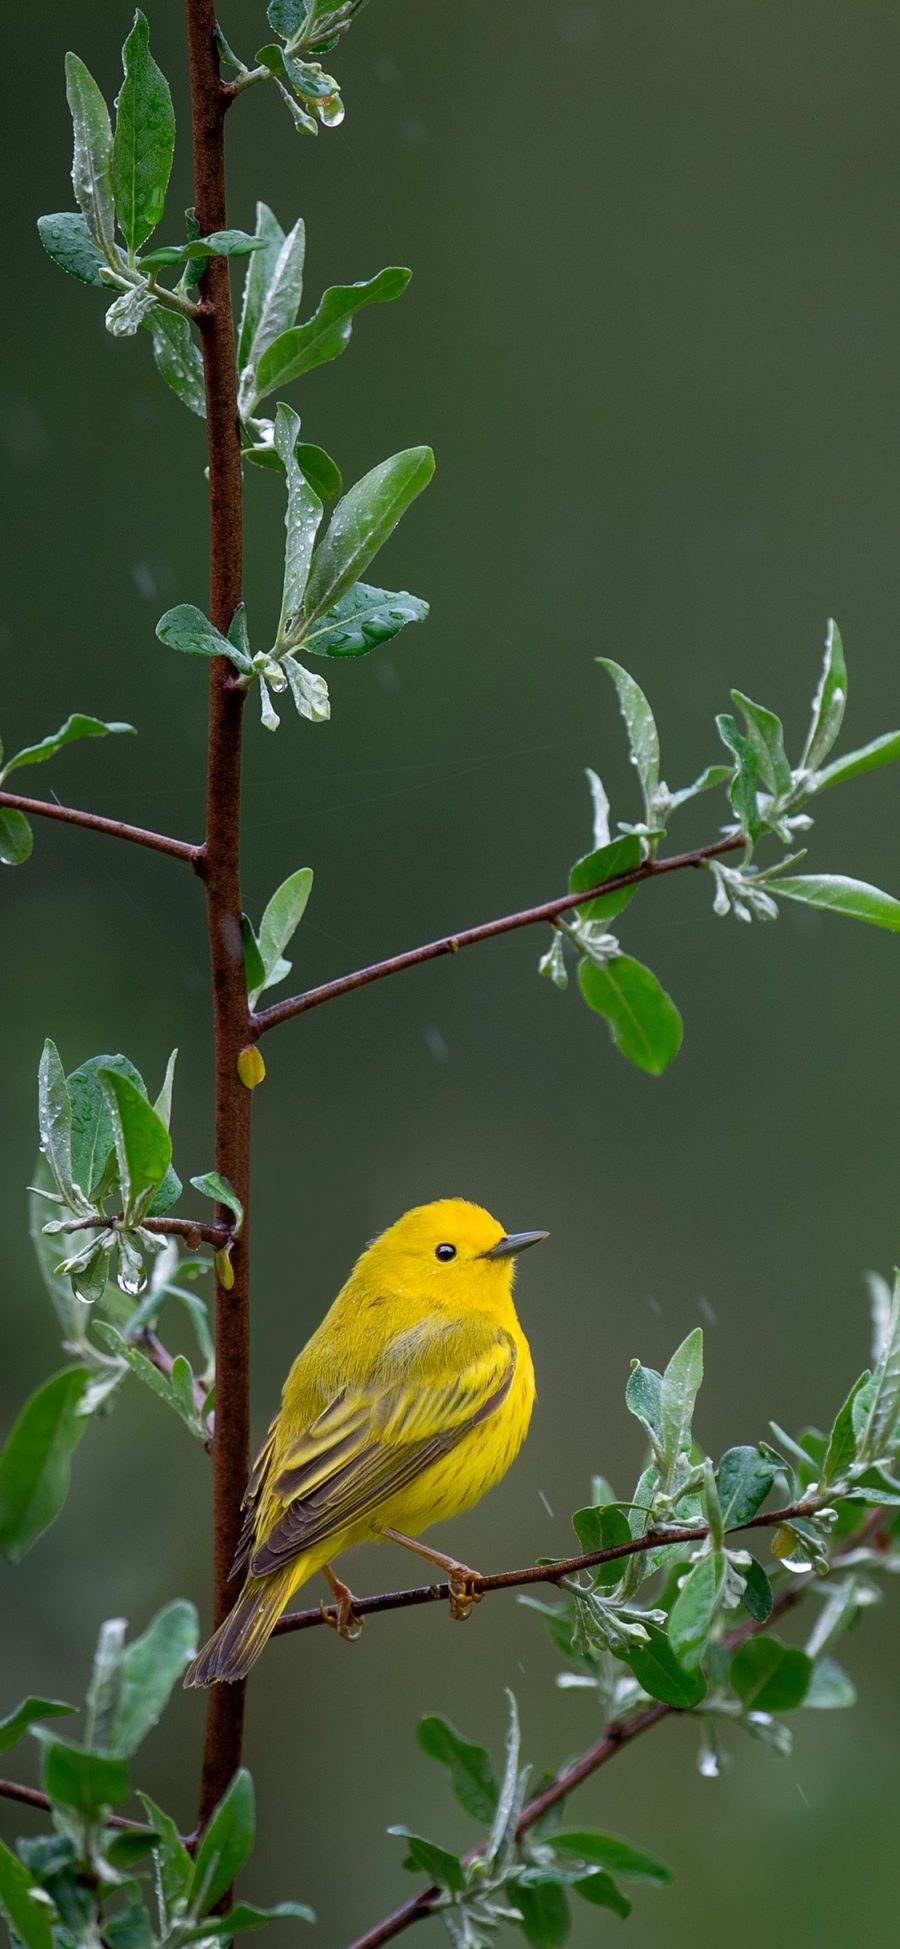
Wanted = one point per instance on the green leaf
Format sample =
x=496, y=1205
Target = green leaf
x=178, y=358
x=543, y=1905
x=16, y=837
x=279, y=922
x=364, y=618
x=694, y=1609
x=607, y=1851
x=151, y=1666
x=302, y=517
x=124, y=1850
x=841, y=1453
x=254, y=966
x=173, y=1864
x=327, y=333
x=744, y=1477
x=606, y=863
x=34, y=1464
x=131, y=1928
x=144, y=140
x=882, y=1402
x=142, y=1143
x=643, y=1021
x=260, y=271
x=92, y=156
x=769, y=1676
x=55, y=1119
x=286, y=17
x=881, y=751
x=272, y=302
x=212, y=1185
x=660, y=1673
x=75, y=1776
x=426, y=1857
x=67, y=239
x=829, y=703
x=226, y=1844
x=186, y=628
x=837, y=895
x=643, y=738
x=642, y=1399
x=13, y=1728
x=219, y=243
x=681, y=1383
x=766, y=734
x=712, y=776
x=361, y=524
x=756, y=1595
x=22, y=1903
x=603, y=1528
x=322, y=472
x=831, y=1689
x=469, y=1766
x=145, y=1371
x=742, y=792
x=245, y=1916
x=92, y=1129
x=601, y=1890
x=75, y=727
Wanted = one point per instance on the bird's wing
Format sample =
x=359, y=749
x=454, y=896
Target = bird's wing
x=372, y=1441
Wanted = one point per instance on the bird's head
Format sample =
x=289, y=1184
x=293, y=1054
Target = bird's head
x=451, y=1249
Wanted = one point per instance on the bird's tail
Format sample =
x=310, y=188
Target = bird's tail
x=247, y=1629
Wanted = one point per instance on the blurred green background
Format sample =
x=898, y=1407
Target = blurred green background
x=653, y=338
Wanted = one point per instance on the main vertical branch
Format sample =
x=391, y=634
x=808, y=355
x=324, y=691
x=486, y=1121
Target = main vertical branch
x=224, y=1725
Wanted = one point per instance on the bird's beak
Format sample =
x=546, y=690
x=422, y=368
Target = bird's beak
x=514, y=1242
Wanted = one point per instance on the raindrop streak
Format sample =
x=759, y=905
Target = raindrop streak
x=545, y=1502
x=708, y=1311
x=435, y=1044
x=653, y=1304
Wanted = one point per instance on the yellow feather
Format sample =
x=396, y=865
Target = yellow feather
x=409, y=1401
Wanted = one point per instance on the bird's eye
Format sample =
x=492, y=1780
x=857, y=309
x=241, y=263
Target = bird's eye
x=445, y=1251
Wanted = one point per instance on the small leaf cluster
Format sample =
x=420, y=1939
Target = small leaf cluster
x=520, y=1877
x=16, y=838
x=106, y=1163
x=89, y=1881
x=304, y=28
x=767, y=796
x=120, y=178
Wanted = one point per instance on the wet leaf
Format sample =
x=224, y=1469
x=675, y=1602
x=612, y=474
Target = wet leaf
x=643, y=1021
x=144, y=140
x=327, y=333
x=34, y=1464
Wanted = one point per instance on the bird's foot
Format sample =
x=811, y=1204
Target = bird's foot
x=463, y=1594
x=343, y=1619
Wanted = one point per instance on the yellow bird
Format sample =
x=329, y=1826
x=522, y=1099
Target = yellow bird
x=411, y=1400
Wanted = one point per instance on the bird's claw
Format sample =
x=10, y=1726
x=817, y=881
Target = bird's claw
x=463, y=1594
x=342, y=1617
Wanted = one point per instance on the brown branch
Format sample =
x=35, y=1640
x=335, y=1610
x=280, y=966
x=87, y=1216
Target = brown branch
x=231, y=1445
x=32, y=1797
x=534, y=1573
x=192, y=1230
x=549, y=910
x=159, y=842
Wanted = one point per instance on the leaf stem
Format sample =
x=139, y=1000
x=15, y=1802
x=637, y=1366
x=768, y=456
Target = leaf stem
x=548, y=910
x=157, y=841
x=190, y=1229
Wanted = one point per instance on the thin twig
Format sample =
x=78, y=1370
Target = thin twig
x=32, y=1797
x=549, y=910
x=534, y=1573
x=159, y=842
x=192, y=1230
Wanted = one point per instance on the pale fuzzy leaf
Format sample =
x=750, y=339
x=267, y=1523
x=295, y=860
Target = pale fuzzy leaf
x=302, y=517
x=829, y=703
x=309, y=691
x=92, y=157
x=260, y=272
x=127, y=313
x=277, y=310
x=178, y=357
x=640, y=724
x=835, y=893
x=600, y=804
